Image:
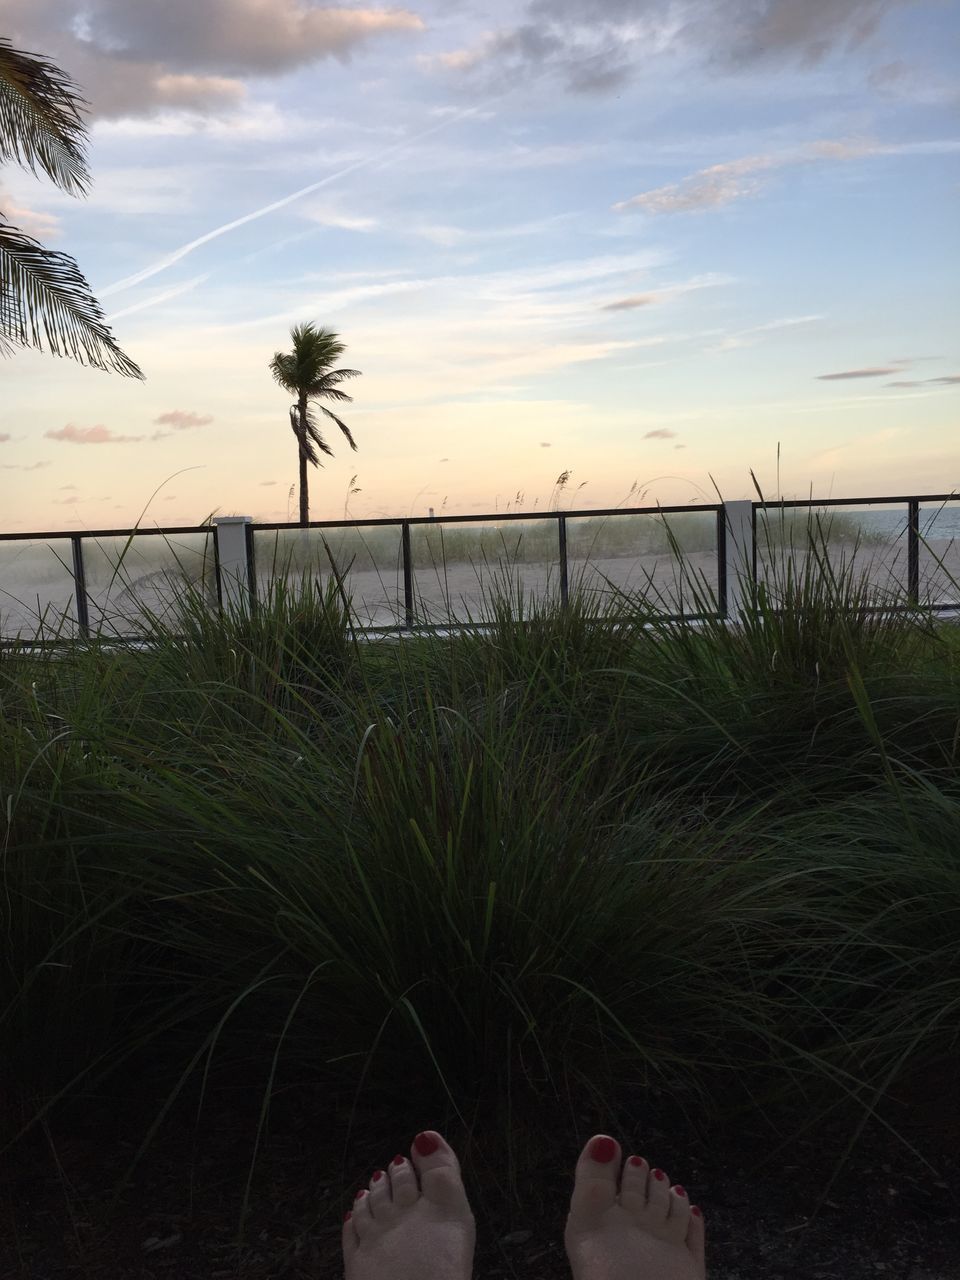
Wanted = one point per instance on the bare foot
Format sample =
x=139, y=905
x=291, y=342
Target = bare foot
x=649, y=1231
x=414, y=1222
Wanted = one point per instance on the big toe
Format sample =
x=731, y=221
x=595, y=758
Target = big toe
x=595, y=1180
x=438, y=1169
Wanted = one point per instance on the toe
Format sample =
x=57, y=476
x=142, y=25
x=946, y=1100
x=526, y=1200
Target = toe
x=633, y=1185
x=350, y=1240
x=380, y=1199
x=678, y=1214
x=658, y=1196
x=403, y=1183
x=696, y=1238
x=595, y=1179
x=361, y=1219
x=439, y=1171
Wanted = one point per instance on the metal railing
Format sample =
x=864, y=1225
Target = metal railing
x=234, y=569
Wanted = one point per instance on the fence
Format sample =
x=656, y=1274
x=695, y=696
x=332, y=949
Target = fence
x=440, y=566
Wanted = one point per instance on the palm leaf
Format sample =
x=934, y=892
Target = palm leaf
x=41, y=119
x=45, y=301
x=314, y=433
x=342, y=425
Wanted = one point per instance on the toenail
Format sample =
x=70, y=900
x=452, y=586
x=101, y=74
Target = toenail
x=398, y=1159
x=659, y=1175
x=426, y=1143
x=347, y=1216
x=636, y=1161
x=377, y=1175
x=603, y=1150
x=679, y=1190
x=360, y=1194
x=696, y=1211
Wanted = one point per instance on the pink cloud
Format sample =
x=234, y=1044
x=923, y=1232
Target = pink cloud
x=182, y=419
x=88, y=435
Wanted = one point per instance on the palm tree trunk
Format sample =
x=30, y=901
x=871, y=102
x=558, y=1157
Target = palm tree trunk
x=304, y=496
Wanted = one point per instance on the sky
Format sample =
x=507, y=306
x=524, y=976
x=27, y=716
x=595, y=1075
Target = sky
x=655, y=247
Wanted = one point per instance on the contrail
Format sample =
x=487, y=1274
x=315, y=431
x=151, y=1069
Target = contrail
x=159, y=297
x=168, y=261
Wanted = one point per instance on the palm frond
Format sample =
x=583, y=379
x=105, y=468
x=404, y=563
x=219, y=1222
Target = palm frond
x=284, y=371
x=329, y=393
x=342, y=425
x=45, y=301
x=41, y=119
x=314, y=433
x=310, y=436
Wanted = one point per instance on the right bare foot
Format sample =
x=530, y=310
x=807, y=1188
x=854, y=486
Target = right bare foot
x=649, y=1231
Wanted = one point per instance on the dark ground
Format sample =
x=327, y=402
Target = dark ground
x=888, y=1214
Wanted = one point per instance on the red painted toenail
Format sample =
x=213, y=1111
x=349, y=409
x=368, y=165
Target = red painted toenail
x=360, y=1194
x=347, y=1216
x=603, y=1150
x=377, y=1175
x=696, y=1211
x=679, y=1190
x=426, y=1144
x=398, y=1159
x=659, y=1175
x=636, y=1161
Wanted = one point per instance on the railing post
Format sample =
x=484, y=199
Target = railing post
x=80, y=586
x=564, y=570
x=407, y=574
x=232, y=570
x=913, y=551
x=740, y=557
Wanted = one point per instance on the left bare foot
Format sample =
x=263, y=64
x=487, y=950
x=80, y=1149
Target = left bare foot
x=414, y=1221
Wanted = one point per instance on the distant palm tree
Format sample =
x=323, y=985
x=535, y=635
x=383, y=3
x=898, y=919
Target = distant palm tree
x=307, y=373
x=44, y=298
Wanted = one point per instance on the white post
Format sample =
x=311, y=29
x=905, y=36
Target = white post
x=740, y=554
x=231, y=535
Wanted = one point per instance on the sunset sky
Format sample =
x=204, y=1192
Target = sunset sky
x=646, y=248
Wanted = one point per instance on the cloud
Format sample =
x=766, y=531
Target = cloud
x=854, y=373
x=545, y=444
x=722, y=184
x=4, y=436
x=66, y=502
x=660, y=434
x=265, y=484
x=599, y=50
x=748, y=338
x=183, y=419
x=719, y=185
x=68, y=486
x=33, y=466
x=951, y=379
x=89, y=435
x=905, y=384
x=42, y=226
x=136, y=58
x=628, y=304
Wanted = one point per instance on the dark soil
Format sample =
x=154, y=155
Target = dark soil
x=890, y=1212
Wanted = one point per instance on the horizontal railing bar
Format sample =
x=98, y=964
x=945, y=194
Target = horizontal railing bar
x=897, y=500
x=110, y=533
x=859, y=502
x=493, y=515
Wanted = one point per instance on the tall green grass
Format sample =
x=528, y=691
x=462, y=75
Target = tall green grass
x=488, y=875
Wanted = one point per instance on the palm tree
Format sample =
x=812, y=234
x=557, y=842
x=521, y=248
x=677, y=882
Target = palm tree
x=44, y=297
x=307, y=373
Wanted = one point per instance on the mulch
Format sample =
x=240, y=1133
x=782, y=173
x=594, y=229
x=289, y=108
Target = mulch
x=892, y=1211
